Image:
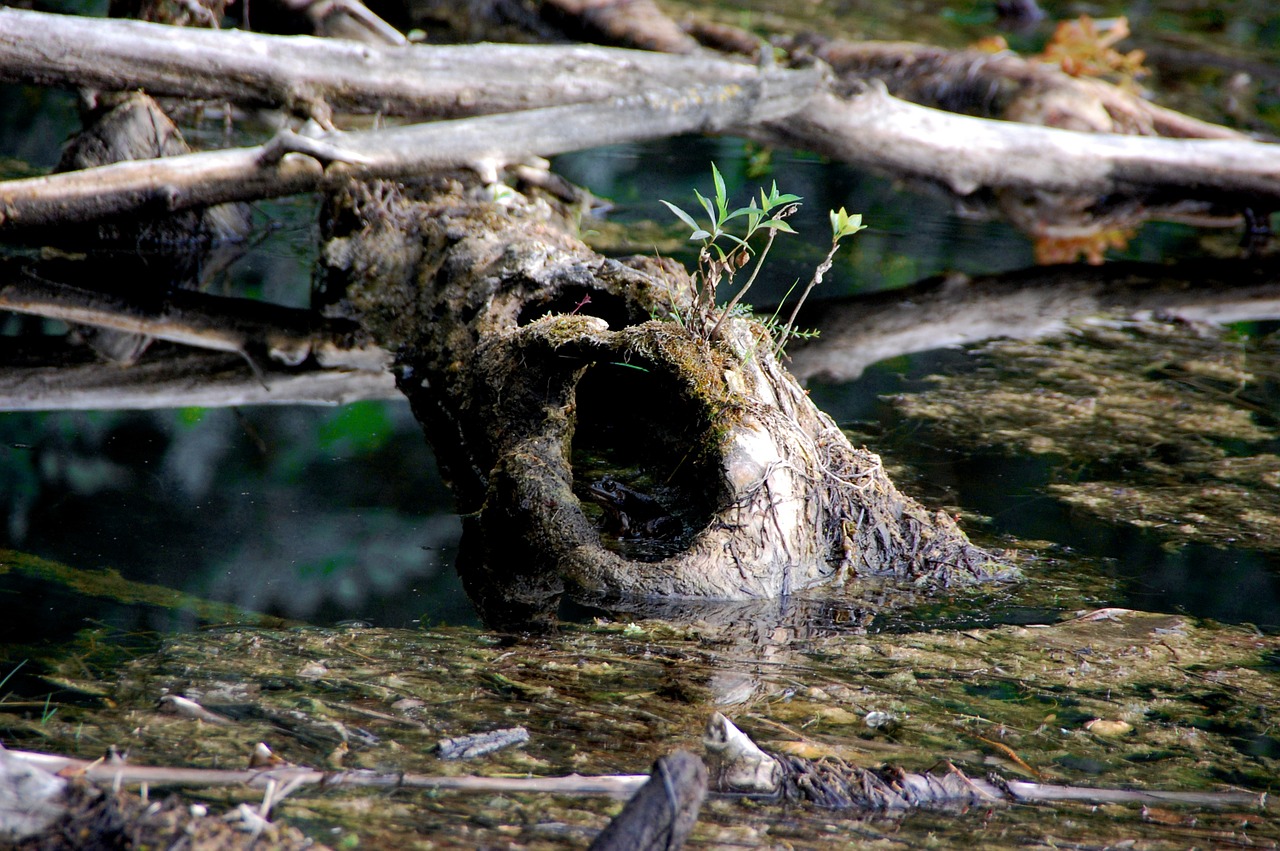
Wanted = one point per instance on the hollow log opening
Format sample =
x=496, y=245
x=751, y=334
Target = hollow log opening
x=639, y=462
x=594, y=445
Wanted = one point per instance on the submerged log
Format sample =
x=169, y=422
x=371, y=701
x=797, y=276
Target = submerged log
x=539, y=368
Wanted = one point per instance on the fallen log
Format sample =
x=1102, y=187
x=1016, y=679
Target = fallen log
x=305, y=75
x=737, y=764
x=291, y=164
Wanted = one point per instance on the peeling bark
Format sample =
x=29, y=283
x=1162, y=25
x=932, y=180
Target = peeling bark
x=534, y=365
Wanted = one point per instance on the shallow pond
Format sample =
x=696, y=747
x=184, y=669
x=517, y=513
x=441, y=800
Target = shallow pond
x=1126, y=462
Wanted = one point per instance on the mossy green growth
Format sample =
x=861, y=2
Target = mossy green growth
x=610, y=697
x=1164, y=425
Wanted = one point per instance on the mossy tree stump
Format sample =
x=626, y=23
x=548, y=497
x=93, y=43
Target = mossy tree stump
x=536, y=366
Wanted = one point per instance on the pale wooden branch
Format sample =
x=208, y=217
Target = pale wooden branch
x=615, y=785
x=295, y=72
x=873, y=128
x=869, y=128
x=182, y=182
x=108, y=774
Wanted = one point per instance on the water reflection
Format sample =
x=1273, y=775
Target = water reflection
x=312, y=514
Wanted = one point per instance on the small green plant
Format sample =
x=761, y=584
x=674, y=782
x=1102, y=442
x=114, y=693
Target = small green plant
x=724, y=255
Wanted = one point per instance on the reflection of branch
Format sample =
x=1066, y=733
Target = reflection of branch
x=860, y=331
x=176, y=379
x=253, y=352
x=286, y=335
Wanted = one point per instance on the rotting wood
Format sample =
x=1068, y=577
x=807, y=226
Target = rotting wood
x=662, y=813
x=737, y=764
x=525, y=355
x=1005, y=86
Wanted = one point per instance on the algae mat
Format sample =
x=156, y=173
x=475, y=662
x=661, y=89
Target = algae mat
x=1182, y=706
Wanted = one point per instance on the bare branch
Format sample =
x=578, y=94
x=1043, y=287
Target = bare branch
x=191, y=180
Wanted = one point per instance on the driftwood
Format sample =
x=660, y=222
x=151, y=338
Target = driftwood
x=860, y=124
x=535, y=367
x=737, y=764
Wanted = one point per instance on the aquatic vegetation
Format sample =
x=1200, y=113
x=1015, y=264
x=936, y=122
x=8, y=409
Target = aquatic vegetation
x=1165, y=426
x=1193, y=702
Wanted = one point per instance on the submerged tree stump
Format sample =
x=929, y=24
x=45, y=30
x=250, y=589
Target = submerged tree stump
x=545, y=375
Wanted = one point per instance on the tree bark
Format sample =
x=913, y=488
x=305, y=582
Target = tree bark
x=660, y=816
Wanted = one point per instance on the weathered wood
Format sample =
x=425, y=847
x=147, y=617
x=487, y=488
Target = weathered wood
x=660, y=816
x=738, y=765
x=866, y=127
x=192, y=180
x=109, y=774
x=300, y=73
x=873, y=128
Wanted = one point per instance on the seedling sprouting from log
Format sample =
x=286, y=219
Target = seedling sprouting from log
x=724, y=255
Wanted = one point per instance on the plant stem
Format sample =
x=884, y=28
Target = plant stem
x=822, y=269
x=764, y=252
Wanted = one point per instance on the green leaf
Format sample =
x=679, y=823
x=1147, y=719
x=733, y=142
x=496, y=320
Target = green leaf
x=681, y=215
x=778, y=224
x=708, y=206
x=722, y=194
x=699, y=233
x=843, y=224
